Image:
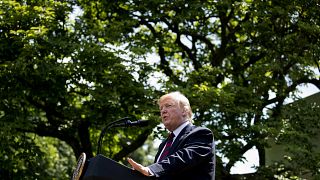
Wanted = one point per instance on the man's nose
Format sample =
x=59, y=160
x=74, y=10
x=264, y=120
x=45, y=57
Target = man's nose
x=164, y=110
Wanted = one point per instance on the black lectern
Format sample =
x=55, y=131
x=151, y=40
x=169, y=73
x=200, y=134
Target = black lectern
x=103, y=168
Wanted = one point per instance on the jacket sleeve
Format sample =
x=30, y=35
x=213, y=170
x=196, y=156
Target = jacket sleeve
x=193, y=150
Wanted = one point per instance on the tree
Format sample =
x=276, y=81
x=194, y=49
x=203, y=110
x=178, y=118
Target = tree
x=58, y=81
x=235, y=59
x=67, y=78
x=295, y=134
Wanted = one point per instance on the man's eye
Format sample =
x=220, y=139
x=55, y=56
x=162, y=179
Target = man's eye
x=166, y=106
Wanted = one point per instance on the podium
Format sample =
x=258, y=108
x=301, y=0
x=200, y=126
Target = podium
x=103, y=168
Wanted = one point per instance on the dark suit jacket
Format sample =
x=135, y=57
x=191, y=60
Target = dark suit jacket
x=191, y=156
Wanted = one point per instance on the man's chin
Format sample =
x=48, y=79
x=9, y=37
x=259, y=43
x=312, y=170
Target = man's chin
x=166, y=125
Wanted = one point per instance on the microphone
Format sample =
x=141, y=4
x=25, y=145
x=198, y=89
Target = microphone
x=128, y=123
x=123, y=122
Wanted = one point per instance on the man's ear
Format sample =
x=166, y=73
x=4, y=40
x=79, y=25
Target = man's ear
x=184, y=111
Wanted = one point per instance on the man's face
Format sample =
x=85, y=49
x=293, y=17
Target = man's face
x=171, y=114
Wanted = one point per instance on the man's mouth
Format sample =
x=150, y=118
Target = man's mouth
x=165, y=117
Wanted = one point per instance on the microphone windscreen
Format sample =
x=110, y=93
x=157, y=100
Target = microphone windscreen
x=143, y=123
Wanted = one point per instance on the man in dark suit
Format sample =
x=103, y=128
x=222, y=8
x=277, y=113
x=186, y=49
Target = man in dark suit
x=189, y=151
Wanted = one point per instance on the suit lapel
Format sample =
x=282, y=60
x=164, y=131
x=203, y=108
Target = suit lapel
x=184, y=132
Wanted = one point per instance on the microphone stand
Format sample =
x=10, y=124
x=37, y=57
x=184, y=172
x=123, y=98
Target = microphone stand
x=82, y=163
x=108, y=126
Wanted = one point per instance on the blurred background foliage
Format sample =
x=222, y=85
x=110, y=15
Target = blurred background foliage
x=68, y=68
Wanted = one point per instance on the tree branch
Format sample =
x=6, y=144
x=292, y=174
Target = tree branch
x=127, y=149
x=248, y=146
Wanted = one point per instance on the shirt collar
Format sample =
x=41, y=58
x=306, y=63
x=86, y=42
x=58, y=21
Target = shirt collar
x=177, y=131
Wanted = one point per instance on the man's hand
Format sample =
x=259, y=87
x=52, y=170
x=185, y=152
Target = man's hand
x=139, y=167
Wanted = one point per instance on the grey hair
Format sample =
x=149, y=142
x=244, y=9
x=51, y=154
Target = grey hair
x=182, y=101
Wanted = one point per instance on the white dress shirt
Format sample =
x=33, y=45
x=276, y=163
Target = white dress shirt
x=176, y=132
